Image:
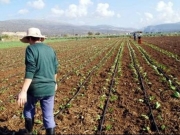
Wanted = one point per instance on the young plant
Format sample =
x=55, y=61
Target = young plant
x=68, y=105
x=98, y=117
x=38, y=122
x=147, y=129
x=151, y=98
x=101, y=106
x=113, y=98
x=108, y=127
x=157, y=105
x=176, y=94
x=163, y=127
x=144, y=116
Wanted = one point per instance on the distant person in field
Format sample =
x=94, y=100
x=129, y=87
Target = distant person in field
x=40, y=81
x=134, y=35
x=139, y=38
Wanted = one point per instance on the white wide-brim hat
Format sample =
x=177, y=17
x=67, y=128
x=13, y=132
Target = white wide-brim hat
x=32, y=32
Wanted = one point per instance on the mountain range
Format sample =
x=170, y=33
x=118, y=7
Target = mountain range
x=50, y=28
x=56, y=28
x=168, y=27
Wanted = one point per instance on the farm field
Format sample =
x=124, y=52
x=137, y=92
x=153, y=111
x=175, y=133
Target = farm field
x=105, y=86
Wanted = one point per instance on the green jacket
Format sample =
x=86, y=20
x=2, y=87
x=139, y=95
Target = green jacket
x=41, y=66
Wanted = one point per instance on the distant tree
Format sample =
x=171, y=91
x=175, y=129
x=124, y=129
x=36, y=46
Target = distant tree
x=97, y=33
x=65, y=35
x=5, y=36
x=90, y=33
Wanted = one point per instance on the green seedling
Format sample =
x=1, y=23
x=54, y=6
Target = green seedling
x=62, y=106
x=176, y=94
x=159, y=117
x=157, y=105
x=145, y=116
x=68, y=105
x=38, y=104
x=151, y=98
x=146, y=129
x=2, y=108
x=110, y=109
x=56, y=112
x=163, y=127
x=35, y=132
x=98, y=117
x=103, y=97
x=113, y=98
x=95, y=128
x=101, y=106
x=171, y=85
x=22, y=115
x=108, y=127
x=144, y=75
x=141, y=100
x=38, y=122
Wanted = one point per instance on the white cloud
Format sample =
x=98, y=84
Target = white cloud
x=37, y=4
x=23, y=11
x=163, y=7
x=85, y=2
x=5, y=1
x=103, y=10
x=166, y=12
x=148, y=16
x=74, y=11
x=57, y=11
x=78, y=10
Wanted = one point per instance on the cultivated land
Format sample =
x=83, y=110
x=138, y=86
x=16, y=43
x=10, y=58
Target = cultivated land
x=105, y=86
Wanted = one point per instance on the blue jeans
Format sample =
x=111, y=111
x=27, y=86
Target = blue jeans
x=47, y=106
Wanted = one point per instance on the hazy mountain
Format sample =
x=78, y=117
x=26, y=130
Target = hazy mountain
x=168, y=27
x=58, y=28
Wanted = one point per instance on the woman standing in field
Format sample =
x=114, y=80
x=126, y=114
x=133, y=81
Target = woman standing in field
x=40, y=81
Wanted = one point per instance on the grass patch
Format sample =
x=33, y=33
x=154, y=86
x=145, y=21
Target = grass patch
x=11, y=44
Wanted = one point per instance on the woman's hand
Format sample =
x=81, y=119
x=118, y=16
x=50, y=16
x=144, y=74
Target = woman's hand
x=56, y=87
x=22, y=98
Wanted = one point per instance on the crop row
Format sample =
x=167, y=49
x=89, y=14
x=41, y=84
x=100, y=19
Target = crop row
x=106, y=86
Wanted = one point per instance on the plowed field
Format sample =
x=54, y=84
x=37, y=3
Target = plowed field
x=105, y=86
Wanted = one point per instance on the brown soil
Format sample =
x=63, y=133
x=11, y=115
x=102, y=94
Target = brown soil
x=94, y=60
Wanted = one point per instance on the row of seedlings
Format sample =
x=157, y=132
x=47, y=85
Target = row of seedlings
x=160, y=105
x=78, y=91
x=150, y=120
x=110, y=99
x=166, y=52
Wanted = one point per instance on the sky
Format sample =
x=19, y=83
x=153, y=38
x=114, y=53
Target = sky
x=120, y=13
